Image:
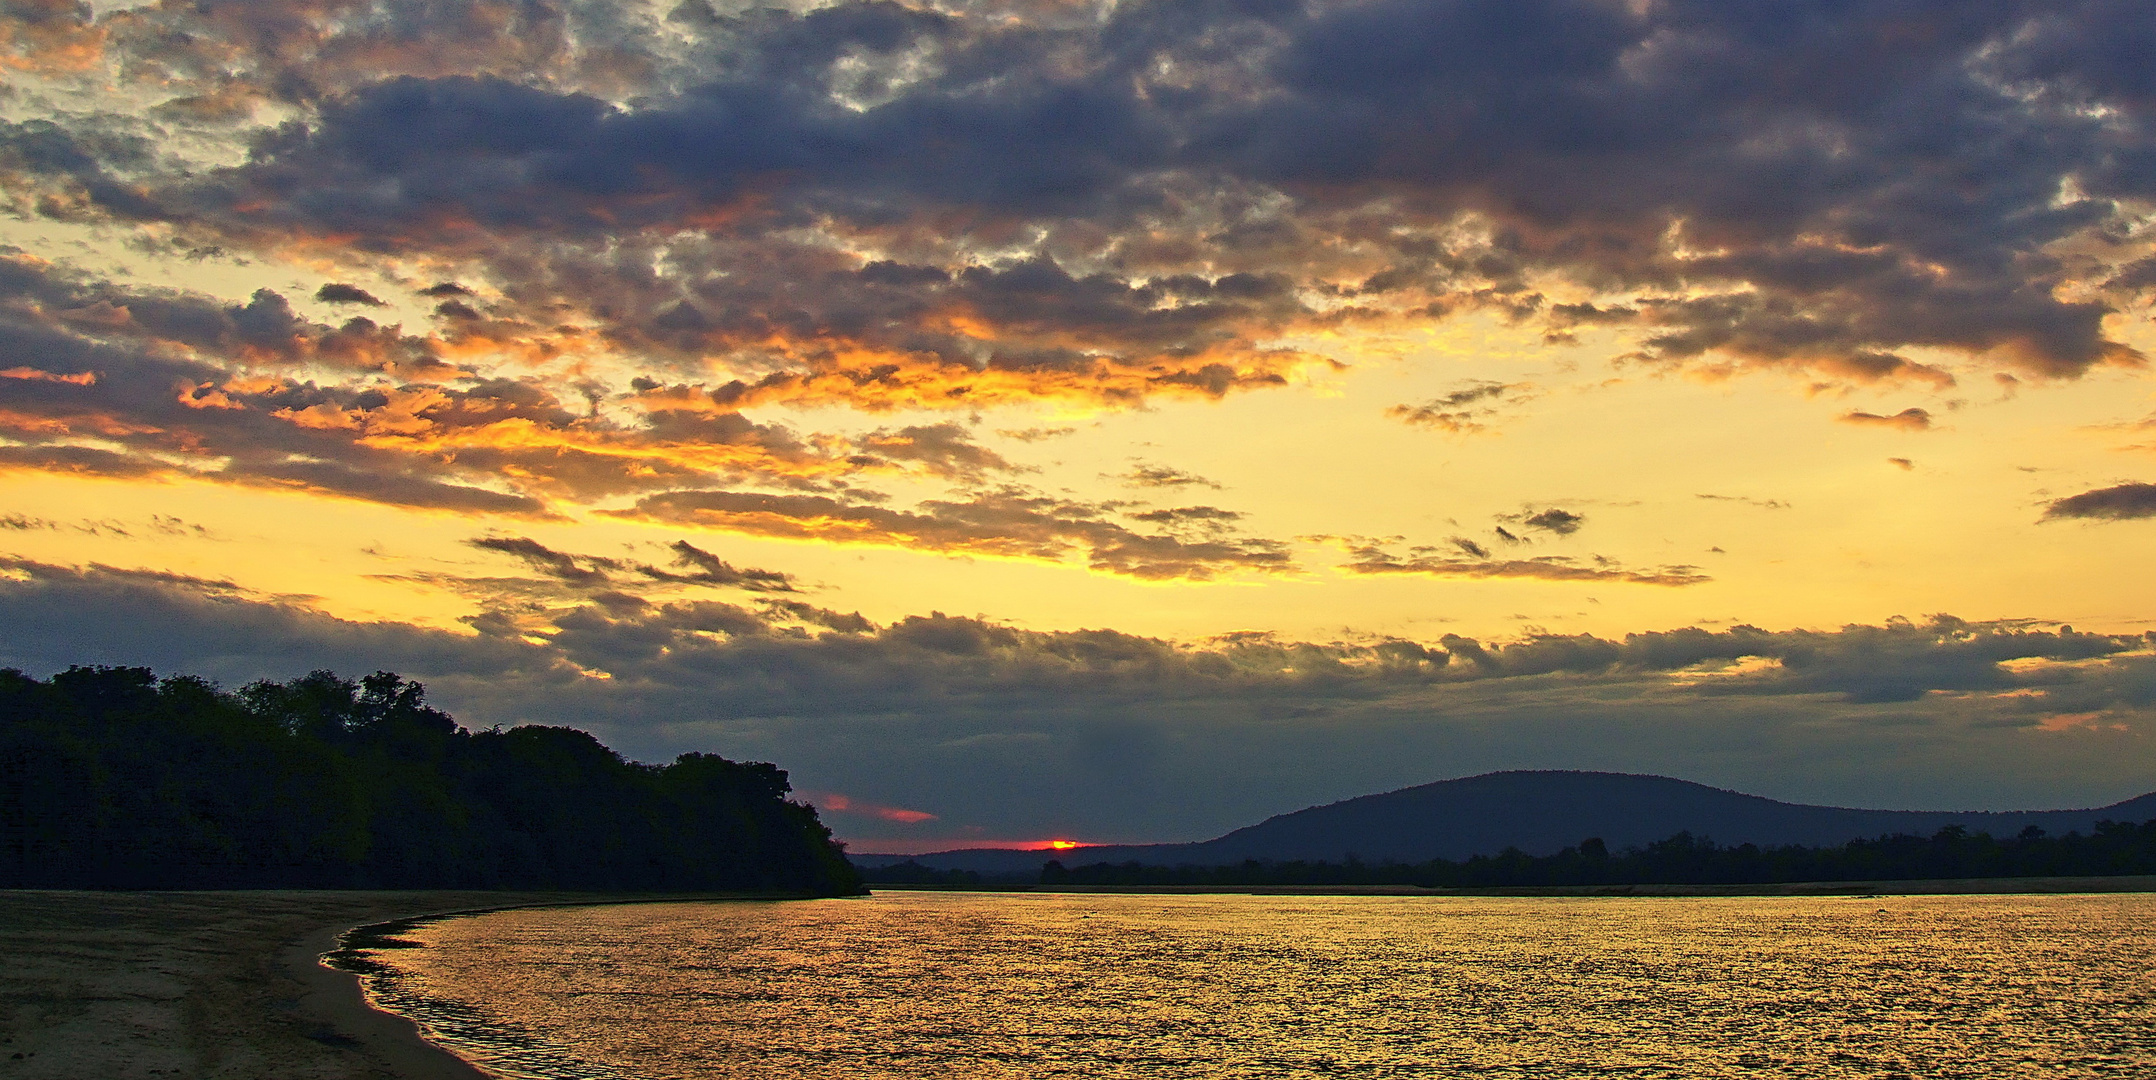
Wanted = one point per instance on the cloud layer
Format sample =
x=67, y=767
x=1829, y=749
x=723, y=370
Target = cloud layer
x=881, y=204
x=627, y=225
x=1002, y=733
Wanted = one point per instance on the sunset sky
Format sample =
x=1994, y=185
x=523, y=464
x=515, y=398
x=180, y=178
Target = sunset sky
x=1111, y=421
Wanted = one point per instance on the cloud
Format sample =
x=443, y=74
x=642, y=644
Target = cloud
x=337, y=292
x=890, y=207
x=1471, y=560
x=704, y=568
x=1017, y=731
x=943, y=449
x=1554, y=520
x=1763, y=504
x=1464, y=411
x=161, y=382
x=80, y=378
x=1144, y=475
x=1545, y=568
x=1008, y=522
x=2120, y=502
x=1911, y=419
x=1035, y=434
x=566, y=568
x=1204, y=518
x=565, y=579
x=1469, y=547
x=833, y=802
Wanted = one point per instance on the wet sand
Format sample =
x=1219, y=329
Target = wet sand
x=157, y=986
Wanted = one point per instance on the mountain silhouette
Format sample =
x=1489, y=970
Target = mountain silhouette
x=1538, y=812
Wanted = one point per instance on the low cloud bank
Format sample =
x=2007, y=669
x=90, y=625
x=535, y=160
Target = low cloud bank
x=1002, y=733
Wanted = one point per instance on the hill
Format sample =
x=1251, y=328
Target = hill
x=1537, y=812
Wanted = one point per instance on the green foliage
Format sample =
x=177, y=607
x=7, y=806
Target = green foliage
x=2115, y=848
x=112, y=778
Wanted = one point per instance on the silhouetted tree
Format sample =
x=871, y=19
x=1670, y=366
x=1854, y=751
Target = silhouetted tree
x=111, y=778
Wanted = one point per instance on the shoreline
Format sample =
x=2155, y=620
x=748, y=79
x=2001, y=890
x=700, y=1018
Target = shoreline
x=1914, y=887
x=339, y=996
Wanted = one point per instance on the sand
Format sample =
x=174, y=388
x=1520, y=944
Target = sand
x=151, y=986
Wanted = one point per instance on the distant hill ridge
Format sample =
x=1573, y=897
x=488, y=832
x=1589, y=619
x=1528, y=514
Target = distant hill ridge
x=1538, y=812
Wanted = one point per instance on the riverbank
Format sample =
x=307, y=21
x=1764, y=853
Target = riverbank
x=1926, y=887
x=170, y=985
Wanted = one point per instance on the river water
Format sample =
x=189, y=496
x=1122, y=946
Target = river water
x=977, y=985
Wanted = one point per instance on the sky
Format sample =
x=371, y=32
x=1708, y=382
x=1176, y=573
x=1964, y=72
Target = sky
x=1110, y=421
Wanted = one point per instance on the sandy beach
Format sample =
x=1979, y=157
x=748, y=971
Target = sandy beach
x=153, y=986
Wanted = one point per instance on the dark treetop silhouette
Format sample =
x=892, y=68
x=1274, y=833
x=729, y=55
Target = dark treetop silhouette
x=112, y=778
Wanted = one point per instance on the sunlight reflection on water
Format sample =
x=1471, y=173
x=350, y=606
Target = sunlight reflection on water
x=1029, y=985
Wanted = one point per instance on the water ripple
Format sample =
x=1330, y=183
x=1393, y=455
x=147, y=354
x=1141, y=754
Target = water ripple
x=907, y=985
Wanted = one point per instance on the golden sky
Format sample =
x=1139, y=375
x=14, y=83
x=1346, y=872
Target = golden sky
x=981, y=408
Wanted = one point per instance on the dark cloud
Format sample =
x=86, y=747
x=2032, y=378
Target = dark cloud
x=703, y=568
x=999, y=728
x=566, y=568
x=2120, y=502
x=1470, y=548
x=615, y=583
x=1727, y=186
x=337, y=292
x=1554, y=520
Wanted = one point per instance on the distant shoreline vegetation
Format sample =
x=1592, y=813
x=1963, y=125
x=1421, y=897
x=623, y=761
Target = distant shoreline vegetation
x=2113, y=849
x=111, y=778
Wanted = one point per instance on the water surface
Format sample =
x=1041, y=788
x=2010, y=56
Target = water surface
x=974, y=985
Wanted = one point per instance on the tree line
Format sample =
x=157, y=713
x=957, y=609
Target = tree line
x=113, y=778
x=2114, y=848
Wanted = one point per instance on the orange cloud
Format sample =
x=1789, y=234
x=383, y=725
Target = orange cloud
x=80, y=378
x=45, y=37
x=841, y=804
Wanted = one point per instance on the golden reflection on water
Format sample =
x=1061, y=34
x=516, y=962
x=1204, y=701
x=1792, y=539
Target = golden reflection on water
x=972, y=985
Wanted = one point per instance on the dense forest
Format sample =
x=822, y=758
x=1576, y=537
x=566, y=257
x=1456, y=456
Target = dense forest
x=113, y=778
x=2114, y=848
